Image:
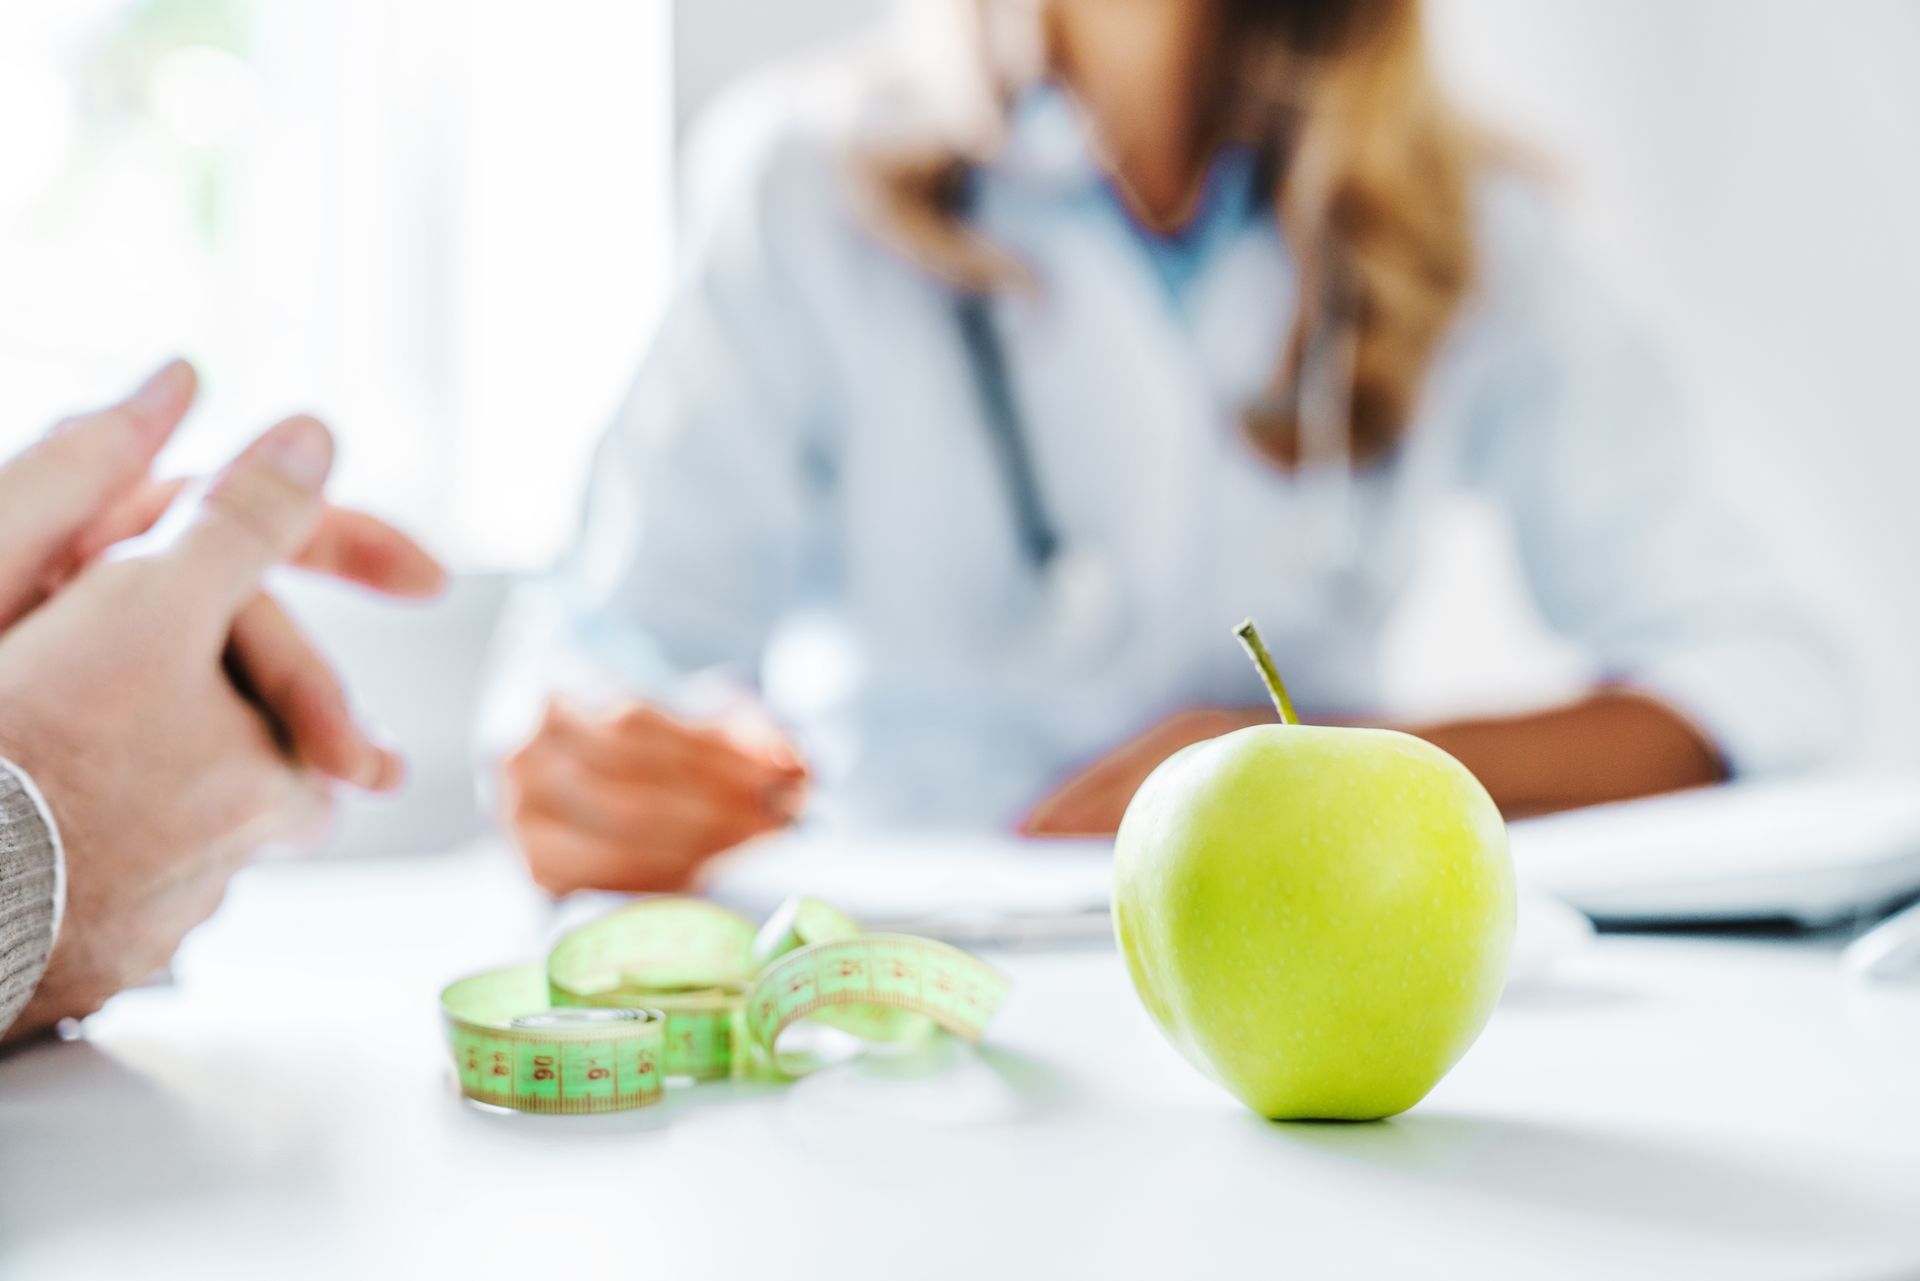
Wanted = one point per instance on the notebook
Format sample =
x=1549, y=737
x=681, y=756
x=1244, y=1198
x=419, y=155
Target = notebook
x=1814, y=850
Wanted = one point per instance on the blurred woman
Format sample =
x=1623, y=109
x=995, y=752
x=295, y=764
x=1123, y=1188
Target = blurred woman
x=1004, y=381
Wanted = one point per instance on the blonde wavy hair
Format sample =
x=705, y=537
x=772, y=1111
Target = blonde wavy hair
x=1372, y=170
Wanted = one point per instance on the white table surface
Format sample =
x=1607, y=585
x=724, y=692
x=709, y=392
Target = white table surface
x=1663, y=1106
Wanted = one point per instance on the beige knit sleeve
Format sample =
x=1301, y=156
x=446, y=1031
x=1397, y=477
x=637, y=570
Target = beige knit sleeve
x=31, y=889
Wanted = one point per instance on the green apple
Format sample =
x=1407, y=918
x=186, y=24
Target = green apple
x=1318, y=918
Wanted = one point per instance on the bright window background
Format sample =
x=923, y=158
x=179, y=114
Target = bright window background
x=441, y=224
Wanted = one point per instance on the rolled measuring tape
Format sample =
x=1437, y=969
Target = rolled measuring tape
x=683, y=989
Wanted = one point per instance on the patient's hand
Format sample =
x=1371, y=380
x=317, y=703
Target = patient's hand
x=84, y=490
x=1092, y=801
x=116, y=700
x=635, y=798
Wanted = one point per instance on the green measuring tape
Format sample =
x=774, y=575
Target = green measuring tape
x=683, y=989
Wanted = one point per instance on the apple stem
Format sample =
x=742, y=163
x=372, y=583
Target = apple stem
x=1257, y=650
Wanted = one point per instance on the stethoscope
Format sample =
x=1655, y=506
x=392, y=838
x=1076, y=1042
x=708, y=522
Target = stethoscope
x=1006, y=436
x=1080, y=585
x=1083, y=606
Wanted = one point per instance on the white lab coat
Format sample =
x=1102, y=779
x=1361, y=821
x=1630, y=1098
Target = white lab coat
x=803, y=456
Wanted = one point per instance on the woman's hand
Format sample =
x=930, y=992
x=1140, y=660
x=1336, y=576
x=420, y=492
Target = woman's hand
x=635, y=798
x=1611, y=745
x=1614, y=744
x=1092, y=801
